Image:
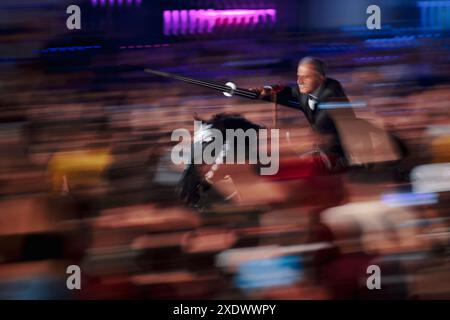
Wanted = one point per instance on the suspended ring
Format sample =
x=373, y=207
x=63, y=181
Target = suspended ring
x=232, y=86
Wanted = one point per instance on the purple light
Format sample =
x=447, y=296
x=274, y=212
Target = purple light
x=142, y=46
x=204, y=21
x=175, y=21
x=103, y=3
x=184, y=21
x=167, y=17
x=231, y=12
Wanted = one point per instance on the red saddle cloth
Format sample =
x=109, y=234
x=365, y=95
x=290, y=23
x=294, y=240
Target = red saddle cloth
x=320, y=184
x=301, y=168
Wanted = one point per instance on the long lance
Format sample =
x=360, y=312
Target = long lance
x=229, y=89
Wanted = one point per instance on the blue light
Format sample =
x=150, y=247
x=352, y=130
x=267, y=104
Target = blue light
x=409, y=199
x=270, y=272
x=434, y=14
x=339, y=105
x=64, y=49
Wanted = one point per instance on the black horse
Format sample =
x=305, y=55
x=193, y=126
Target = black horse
x=195, y=189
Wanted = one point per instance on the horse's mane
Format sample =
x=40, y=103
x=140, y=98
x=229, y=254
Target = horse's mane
x=225, y=120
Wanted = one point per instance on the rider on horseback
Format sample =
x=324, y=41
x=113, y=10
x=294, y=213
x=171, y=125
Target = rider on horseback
x=320, y=98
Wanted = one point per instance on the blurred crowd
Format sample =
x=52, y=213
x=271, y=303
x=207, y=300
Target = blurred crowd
x=86, y=177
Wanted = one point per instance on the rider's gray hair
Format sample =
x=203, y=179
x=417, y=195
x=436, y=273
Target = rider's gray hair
x=318, y=64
